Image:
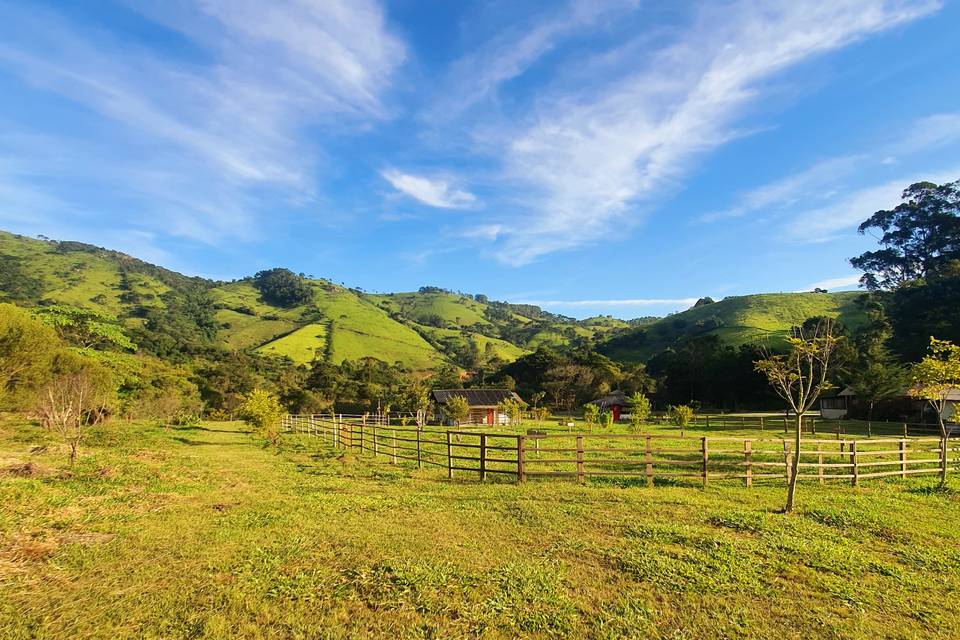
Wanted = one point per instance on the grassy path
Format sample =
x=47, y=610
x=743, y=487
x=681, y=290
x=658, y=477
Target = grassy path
x=204, y=533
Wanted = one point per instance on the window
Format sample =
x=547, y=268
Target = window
x=833, y=403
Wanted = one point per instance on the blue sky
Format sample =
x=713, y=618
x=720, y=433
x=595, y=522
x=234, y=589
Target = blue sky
x=621, y=156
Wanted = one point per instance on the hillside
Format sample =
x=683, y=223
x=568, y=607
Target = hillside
x=764, y=318
x=422, y=330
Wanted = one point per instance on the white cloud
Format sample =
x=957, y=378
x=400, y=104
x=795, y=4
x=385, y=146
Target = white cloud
x=435, y=192
x=844, y=213
x=833, y=283
x=227, y=121
x=591, y=159
x=627, y=302
x=933, y=131
x=511, y=53
x=813, y=182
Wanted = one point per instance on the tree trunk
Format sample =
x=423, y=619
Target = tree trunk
x=795, y=468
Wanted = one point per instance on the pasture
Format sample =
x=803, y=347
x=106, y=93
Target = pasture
x=206, y=532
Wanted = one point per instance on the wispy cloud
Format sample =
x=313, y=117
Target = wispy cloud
x=817, y=181
x=821, y=224
x=512, y=52
x=225, y=127
x=590, y=160
x=840, y=282
x=627, y=302
x=435, y=192
x=829, y=196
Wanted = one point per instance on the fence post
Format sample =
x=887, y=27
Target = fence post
x=579, y=458
x=761, y=423
x=361, y=437
x=856, y=465
x=903, y=458
x=521, y=458
x=483, y=456
x=649, y=460
x=943, y=459
x=449, y=458
x=706, y=456
x=869, y=428
x=748, y=461
x=820, y=462
x=394, y=433
x=419, y=456
x=905, y=430
x=376, y=447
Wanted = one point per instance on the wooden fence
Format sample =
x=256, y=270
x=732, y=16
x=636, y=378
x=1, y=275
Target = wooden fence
x=644, y=457
x=814, y=425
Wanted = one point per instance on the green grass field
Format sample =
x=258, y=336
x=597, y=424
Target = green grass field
x=204, y=532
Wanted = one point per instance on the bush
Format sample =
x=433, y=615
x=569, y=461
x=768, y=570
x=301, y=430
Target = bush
x=263, y=412
x=681, y=415
x=606, y=419
x=639, y=410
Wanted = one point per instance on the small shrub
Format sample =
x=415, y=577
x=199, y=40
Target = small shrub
x=262, y=411
x=681, y=415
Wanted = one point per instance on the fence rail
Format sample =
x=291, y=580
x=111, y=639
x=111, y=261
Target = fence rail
x=649, y=457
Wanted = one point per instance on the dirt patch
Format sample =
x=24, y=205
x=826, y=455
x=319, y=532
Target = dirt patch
x=25, y=470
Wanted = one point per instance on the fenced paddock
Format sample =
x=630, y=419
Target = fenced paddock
x=644, y=458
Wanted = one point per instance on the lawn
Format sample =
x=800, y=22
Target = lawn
x=204, y=532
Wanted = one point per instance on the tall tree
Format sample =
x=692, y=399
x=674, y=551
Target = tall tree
x=919, y=236
x=875, y=375
x=799, y=377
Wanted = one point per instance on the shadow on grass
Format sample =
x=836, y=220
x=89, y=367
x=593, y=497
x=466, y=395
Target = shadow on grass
x=208, y=429
x=198, y=443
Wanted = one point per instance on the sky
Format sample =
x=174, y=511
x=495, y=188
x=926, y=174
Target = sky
x=620, y=157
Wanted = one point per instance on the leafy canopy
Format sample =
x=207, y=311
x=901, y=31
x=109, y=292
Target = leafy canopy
x=937, y=376
x=86, y=328
x=457, y=409
x=921, y=236
x=282, y=287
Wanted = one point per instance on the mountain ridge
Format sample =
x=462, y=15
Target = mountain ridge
x=422, y=330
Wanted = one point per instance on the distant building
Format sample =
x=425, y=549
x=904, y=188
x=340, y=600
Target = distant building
x=836, y=406
x=615, y=402
x=482, y=402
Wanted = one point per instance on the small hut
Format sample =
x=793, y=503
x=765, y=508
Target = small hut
x=483, y=403
x=615, y=402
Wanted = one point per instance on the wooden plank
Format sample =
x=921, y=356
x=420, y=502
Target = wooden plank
x=483, y=456
x=521, y=459
x=449, y=467
x=580, y=458
x=853, y=459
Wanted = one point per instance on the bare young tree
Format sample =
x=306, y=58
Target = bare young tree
x=68, y=405
x=799, y=377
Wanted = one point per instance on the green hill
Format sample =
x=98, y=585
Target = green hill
x=764, y=318
x=421, y=330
